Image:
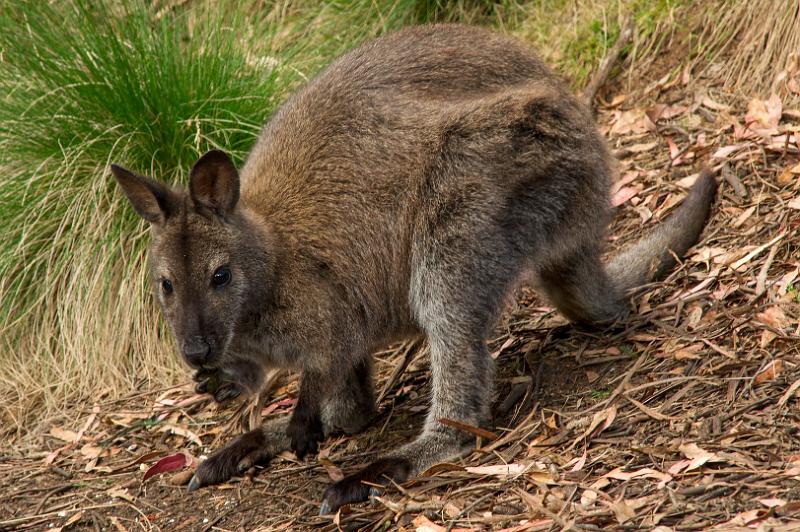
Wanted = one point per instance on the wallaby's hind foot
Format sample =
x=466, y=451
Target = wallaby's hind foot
x=254, y=447
x=431, y=447
x=361, y=486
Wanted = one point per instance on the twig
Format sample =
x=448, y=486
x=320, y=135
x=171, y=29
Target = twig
x=55, y=491
x=409, y=352
x=611, y=58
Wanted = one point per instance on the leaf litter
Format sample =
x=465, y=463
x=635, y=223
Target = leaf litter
x=683, y=418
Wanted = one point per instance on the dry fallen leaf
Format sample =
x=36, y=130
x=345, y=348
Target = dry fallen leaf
x=789, y=175
x=68, y=436
x=697, y=456
x=772, y=503
x=121, y=493
x=423, y=524
x=763, y=116
x=622, y=511
x=501, y=470
x=707, y=102
x=769, y=372
x=662, y=111
x=633, y=121
x=624, y=194
x=774, y=317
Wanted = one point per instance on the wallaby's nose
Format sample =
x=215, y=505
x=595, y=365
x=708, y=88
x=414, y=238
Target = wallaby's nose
x=195, y=350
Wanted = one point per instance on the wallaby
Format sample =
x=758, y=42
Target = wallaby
x=404, y=191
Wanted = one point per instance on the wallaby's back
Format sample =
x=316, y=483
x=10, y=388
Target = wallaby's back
x=355, y=163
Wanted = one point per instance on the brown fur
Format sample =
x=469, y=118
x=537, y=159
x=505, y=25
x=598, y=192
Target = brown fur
x=403, y=191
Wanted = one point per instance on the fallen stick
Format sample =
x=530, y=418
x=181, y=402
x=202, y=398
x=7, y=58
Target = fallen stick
x=608, y=62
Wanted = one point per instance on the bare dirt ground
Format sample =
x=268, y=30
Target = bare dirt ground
x=683, y=418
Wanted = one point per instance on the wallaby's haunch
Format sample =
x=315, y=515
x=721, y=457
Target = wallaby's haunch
x=403, y=191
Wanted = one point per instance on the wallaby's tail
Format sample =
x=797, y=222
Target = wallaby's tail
x=654, y=254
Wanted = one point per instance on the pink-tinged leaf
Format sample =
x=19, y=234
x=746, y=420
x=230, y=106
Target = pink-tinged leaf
x=423, y=524
x=661, y=111
x=502, y=470
x=578, y=463
x=697, y=456
x=763, y=116
x=772, y=503
x=627, y=179
x=270, y=408
x=726, y=151
x=173, y=462
x=678, y=466
x=791, y=472
x=675, y=153
x=622, y=195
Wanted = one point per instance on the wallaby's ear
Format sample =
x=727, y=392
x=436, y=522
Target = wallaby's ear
x=151, y=200
x=214, y=183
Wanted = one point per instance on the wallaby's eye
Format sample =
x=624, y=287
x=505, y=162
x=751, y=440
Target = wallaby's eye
x=221, y=277
x=166, y=286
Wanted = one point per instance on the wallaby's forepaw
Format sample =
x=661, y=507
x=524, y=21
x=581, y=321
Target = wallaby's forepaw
x=234, y=459
x=360, y=486
x=212, y=381
x=305, y=432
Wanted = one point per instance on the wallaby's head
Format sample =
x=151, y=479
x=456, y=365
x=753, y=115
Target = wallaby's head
x=207, y=263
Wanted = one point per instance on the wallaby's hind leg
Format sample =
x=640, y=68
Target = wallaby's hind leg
x=351, y=406
x=455, y=295
x=579, y=286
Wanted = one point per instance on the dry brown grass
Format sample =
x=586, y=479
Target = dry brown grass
x=752, y=46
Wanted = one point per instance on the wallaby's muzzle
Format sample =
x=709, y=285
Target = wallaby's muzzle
x=195, y=351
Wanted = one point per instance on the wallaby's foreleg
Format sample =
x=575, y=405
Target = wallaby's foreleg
x=305, y=429
x=327, y=403
x=348, y=406
x=461, y=390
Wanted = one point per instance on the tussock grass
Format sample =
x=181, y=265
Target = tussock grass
x=746, y=45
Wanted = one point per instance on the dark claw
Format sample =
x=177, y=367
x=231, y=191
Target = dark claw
x=325, y=508
x=201, y=387
x=227, y=392
x=212, y=381
x=356, y=487
x=193, y=484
